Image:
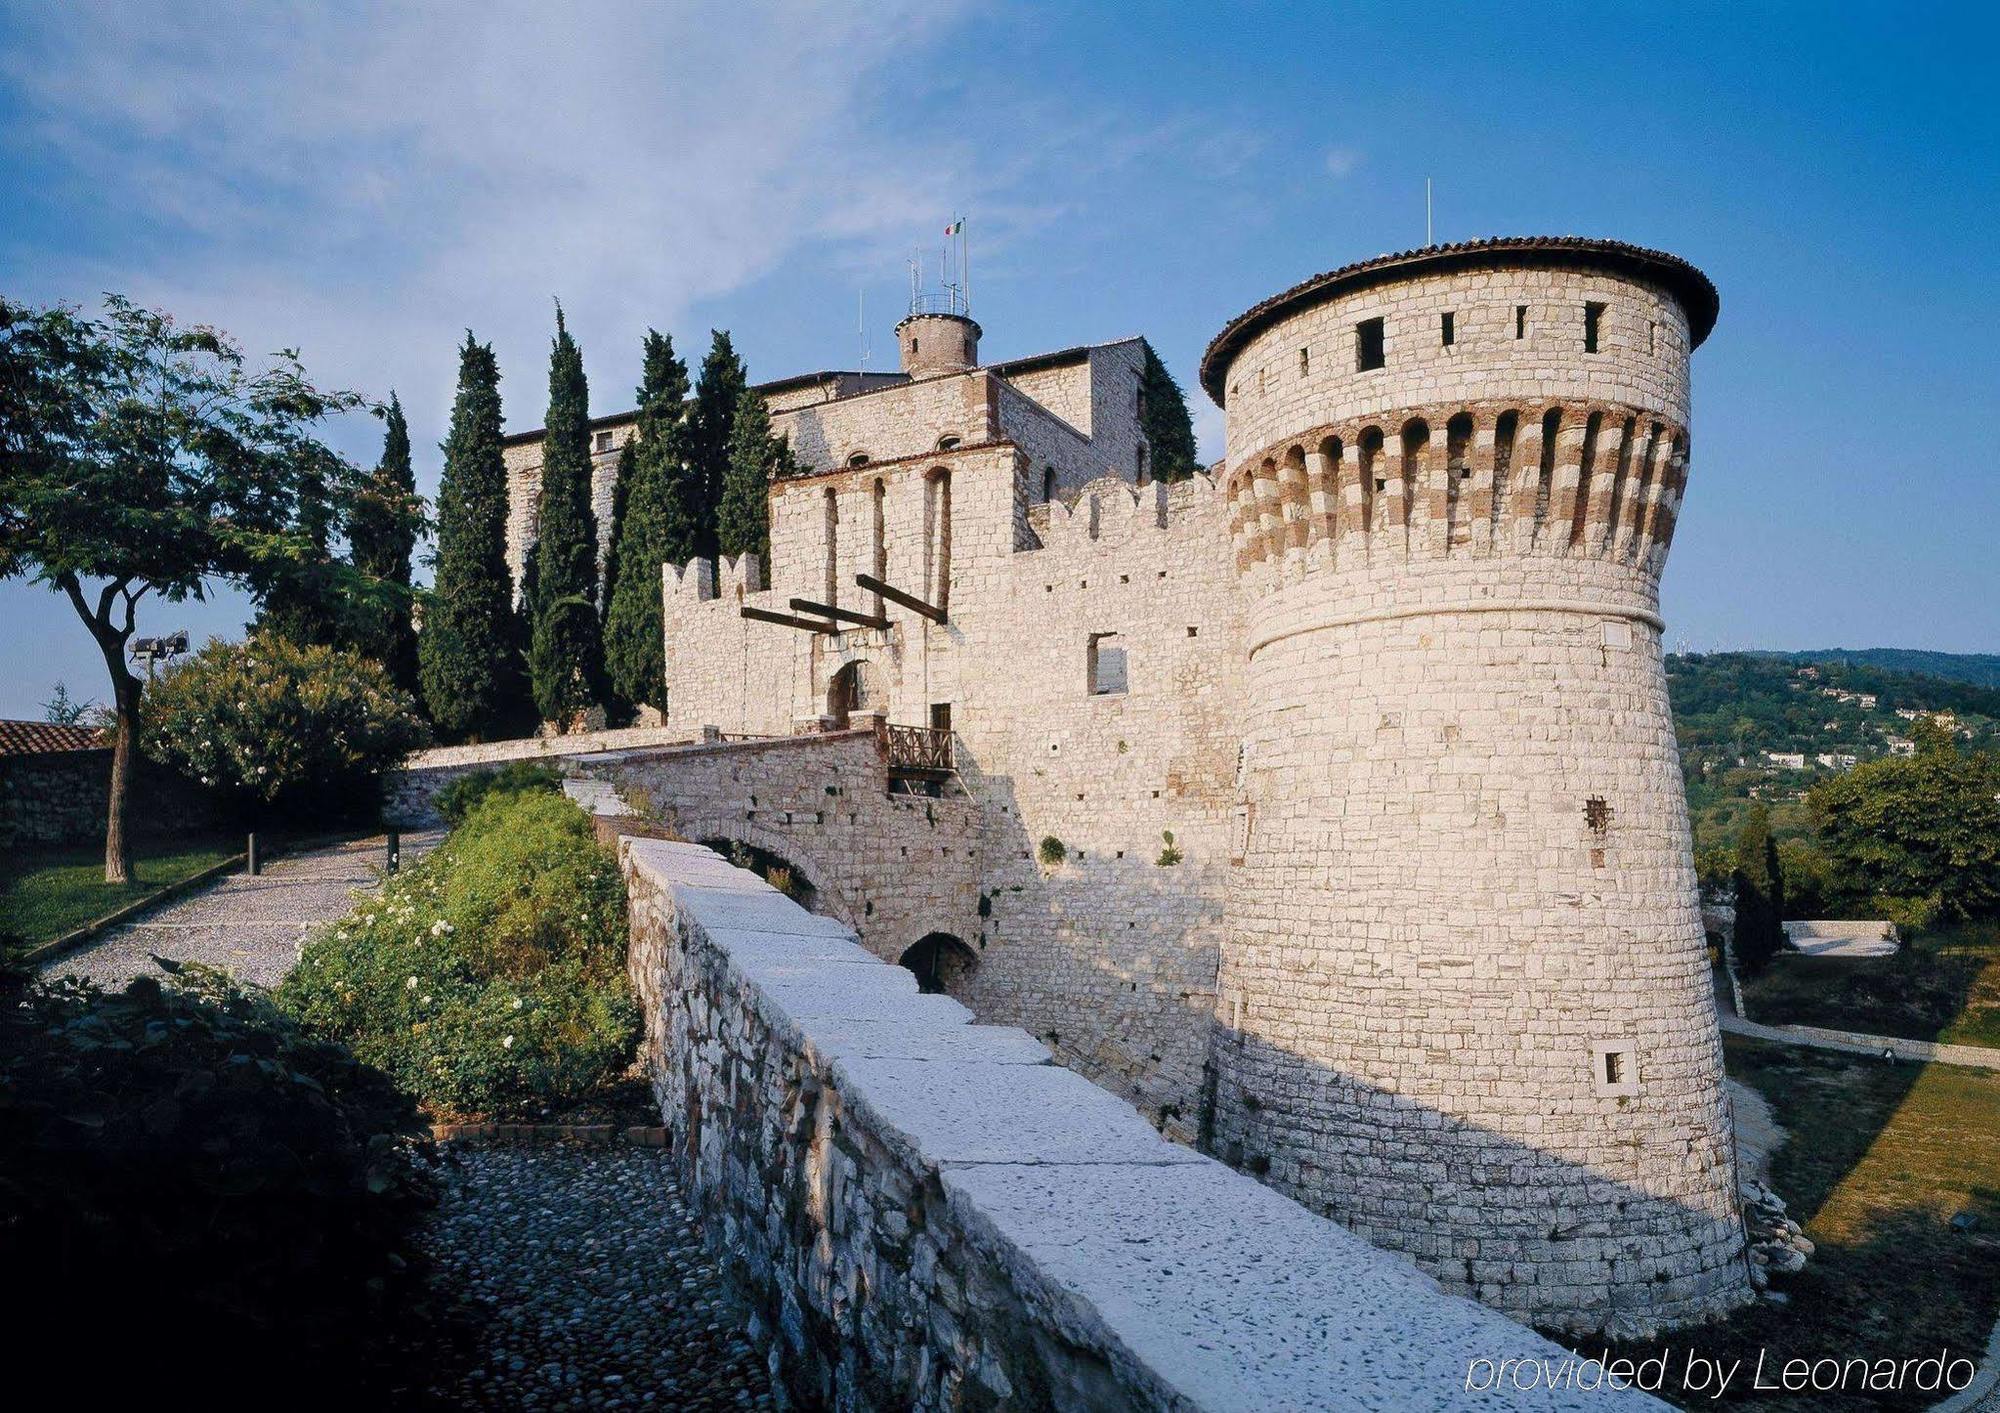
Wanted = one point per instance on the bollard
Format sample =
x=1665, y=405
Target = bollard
x=395, y=850
x=250, y=857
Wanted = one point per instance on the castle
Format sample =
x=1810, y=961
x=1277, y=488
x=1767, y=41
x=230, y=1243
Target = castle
x=1327, y=806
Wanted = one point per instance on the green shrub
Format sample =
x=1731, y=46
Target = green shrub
x=181, y=1160
x=1170, y=852
x=455, y=800
x=1052, y=851
x=280, y=728
x=490, y=977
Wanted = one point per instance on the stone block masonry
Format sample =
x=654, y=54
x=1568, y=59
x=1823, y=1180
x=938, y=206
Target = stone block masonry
x=923, y=1213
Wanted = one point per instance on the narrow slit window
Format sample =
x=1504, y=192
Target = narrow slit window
x=1520, y=321
x=1367, y=345
x=1614, y=1067
x=1593, y=323
x=1305, y=362
x=1448, y=328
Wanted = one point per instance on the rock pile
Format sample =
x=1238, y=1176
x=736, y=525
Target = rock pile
x=1777, y=1245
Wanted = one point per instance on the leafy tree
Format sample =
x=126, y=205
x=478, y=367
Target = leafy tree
x=285, y=728
x=1917, y=836
x=661, y=525
x=381, y=534
x=141, y=456
x=564, y=663
x=469, y=653
x=65, y=710
x=710, y=424
x=1164, y=422
x=1760, y=891
x=743, y=519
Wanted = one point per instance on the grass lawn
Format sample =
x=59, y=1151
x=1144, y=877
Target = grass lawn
x=47, y=892
x=1879, y=1159
x=1942, y=985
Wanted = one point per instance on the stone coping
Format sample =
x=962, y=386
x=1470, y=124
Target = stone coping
x=638, y=1135
x=1195, y=1285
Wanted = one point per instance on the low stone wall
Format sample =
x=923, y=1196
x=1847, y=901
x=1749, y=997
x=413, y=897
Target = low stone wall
x=923, y=1213
x=61, y=797
x=407, y=793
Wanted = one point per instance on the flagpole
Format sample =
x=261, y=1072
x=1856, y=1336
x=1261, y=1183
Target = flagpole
x=964, y=267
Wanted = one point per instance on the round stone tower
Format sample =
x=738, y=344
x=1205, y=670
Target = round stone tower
x=932, y=344
x=1464, y=996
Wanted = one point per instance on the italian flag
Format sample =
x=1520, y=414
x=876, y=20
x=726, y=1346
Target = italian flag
x=954, y=228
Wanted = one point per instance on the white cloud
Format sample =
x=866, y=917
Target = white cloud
x=1342, y=161
x=365, y=183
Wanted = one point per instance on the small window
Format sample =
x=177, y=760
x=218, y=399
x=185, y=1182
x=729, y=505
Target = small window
x=1593, y=320
x=1140, y=460
x=860, y=458
x=1520, y=321
x=603, y=441
x=1367, y=345
x=1614, y=1067
x=1107, y=665
x=1652, y=336
x=947, y=444
x=1305, y=362
x=1448, y=328
x=1260, y=380
x=1048, y=483
x=913, y=345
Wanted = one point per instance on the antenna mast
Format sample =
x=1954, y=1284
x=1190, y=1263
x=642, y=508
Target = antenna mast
x=1428, y=239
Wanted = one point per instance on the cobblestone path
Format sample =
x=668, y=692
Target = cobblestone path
x=583, y=1279
x=250, y=926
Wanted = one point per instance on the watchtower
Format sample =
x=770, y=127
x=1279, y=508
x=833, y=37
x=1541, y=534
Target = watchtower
x=1463, y=994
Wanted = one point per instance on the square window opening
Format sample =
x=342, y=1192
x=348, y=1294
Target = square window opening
x=1107, y=665
x=1593, y=323
x=1367, y=345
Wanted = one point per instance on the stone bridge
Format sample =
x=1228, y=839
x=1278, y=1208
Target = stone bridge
x=815, y=812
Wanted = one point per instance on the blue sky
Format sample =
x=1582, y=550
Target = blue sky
x=367, y=184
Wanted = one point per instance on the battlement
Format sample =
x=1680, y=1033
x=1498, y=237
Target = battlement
x=733, y=578
x=1574, y=479
x=1110, y=512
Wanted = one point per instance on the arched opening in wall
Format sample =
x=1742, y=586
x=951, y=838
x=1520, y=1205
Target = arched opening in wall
x=1619, y=457
x=948, y=444
x=1293, y=497
x=1457, y=472
x=1373, y=481
x=859, y=458
x=1552, y=421
x=1504, y=431
x=1048, y=483
x=1328, y=484
x=937, y=536
x=879, y=560
x=775, y=869
x=941, y=963
x=832, y=544
x=1416, y=441
x=1586, y=471
x=1643, y=492
x=1139, y=465
x=853, y=689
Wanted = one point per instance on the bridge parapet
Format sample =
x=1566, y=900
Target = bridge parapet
x=923, y=1212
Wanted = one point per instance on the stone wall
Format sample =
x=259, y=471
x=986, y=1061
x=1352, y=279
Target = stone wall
x=407, y=792
x=924, y=1214
x=62, y=797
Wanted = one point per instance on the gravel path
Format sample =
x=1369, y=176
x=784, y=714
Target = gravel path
x=583, y=1275
x=249, y=926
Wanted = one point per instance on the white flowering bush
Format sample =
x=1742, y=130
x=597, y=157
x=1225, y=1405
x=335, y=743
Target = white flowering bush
x=489, y=978
x=280, y=727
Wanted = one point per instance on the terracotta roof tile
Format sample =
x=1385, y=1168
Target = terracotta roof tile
x=33, y=738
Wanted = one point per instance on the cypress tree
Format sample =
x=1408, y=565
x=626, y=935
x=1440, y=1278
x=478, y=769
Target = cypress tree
x=469, y=653
x=1760, y=932
x=709, y=426
x=381, y=535
x=1164, y=421
x=660, y=526
x=743, y=518
x=563, y=646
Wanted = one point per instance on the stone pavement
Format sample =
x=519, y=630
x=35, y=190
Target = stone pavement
x=251, y=927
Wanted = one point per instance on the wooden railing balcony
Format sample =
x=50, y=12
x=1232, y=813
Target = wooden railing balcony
x=918, y=750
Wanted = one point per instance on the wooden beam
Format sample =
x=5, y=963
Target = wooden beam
x=866, y=620
x=897, y=596
x=764, y=615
